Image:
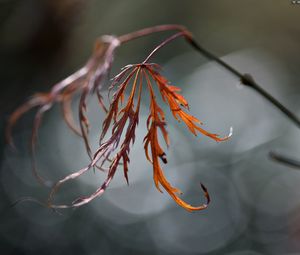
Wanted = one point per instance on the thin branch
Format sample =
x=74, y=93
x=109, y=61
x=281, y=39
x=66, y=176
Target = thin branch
x=247, y=80
x=285, y=160
x=168, y=40
x=150, y=30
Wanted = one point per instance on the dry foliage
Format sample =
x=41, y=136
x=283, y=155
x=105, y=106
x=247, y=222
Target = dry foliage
x=122, y=117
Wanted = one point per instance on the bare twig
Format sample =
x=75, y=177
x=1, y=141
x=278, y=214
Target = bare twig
x=285, y=160
x=245, y=79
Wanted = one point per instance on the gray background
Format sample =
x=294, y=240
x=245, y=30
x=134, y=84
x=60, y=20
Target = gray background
x=255, y=206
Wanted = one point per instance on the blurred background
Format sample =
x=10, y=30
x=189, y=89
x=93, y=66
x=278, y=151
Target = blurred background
x=255, y=206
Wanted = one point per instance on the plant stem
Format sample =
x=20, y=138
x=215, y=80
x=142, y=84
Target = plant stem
x=285, y=160
x=168, y=40
x=150, y=30
x=245, y=79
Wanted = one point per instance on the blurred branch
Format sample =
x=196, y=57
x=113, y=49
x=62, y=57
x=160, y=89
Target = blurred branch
x=285, y=160
x=247, y=80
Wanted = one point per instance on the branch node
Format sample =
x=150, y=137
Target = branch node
x=247, y=80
